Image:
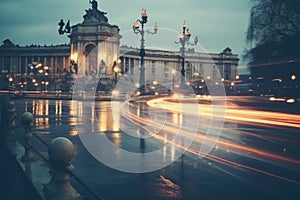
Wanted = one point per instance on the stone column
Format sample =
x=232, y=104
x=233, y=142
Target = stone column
x=26, y=65
x=19, y=65
x=11, y=65
x=51, y=62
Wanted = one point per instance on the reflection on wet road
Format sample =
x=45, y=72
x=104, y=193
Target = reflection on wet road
x=256, y=156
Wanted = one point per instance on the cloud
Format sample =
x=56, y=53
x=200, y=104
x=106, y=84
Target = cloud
x=217, y=23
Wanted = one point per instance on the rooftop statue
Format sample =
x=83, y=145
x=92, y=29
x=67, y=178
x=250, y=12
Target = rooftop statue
x=94, y=4
x=63, y=30
x=94, y=15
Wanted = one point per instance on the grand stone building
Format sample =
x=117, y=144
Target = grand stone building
x=95, y=49
x=94, y=42
x=159, y=64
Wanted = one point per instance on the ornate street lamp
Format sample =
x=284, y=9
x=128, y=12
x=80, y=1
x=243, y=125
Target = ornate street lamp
x=41, y=78
x=117, y=69
x=138, y=28
x=10, y=79
x=34, y=71
x=184, y=38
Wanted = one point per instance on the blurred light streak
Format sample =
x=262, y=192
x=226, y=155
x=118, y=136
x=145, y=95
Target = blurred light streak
x=246, y=150
x=252, y=116
x=235, y=113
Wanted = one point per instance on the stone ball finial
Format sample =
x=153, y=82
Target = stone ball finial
x=11, y=106
x=27, y=118
x=61, y=150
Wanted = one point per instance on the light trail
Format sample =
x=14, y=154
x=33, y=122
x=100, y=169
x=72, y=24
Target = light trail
x=234, y=113
x=200, y=138
x=232, y=163
x=140, y=121
x=265, y=136
x=220, y=143
x=225, y=161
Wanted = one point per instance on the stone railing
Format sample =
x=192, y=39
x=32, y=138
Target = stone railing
x=50, y=174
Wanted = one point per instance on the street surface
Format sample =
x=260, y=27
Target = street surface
x=255, y=156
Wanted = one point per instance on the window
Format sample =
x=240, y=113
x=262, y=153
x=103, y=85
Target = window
x=166, y=68
x=201, y=69
x=131, y=66
x=227, y=71
x=153, y=70
x=126, y=65
x=215, y=72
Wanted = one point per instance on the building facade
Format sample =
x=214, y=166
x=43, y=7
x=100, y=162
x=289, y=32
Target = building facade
x=159, y=64
x=94, y=50
x=94, y=43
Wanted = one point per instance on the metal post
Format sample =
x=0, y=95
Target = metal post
x=173, y=82
x=182, y=64
x=182, y=49
x=116, y=78
x=184, y=40
x=61, y=150
x=142, y=69
x=116, y=70
x=137, y=29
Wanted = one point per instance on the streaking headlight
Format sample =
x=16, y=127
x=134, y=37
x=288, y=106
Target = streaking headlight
x=115, y=92
x=290, y=100
x=272, y=98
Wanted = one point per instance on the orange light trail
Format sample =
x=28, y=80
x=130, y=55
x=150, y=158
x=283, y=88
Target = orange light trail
x=233, y=113
x=224, y=144
x=221, y=143
x=225, y=161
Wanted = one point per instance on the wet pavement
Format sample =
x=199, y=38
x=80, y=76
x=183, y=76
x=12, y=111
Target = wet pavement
x=250, y=162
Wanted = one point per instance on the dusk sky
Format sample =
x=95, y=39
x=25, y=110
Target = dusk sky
x=217, y=23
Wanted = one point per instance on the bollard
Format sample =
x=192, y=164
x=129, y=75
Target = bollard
x=61, y=150
x=26, y=123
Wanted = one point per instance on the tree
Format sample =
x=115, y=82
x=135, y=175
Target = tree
x=274, y=29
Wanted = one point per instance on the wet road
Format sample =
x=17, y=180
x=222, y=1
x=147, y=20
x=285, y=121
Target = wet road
x=253, y=155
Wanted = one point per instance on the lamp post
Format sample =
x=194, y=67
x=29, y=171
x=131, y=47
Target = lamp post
x=184, y=38
x=117, y=69
x=34, y=71
x=46, y=85
x=40, y=71
x=140, y=30
x=46, y=77
x=10, y=79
